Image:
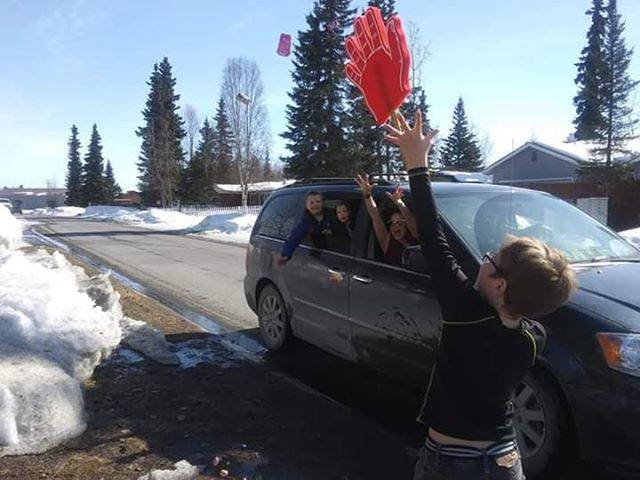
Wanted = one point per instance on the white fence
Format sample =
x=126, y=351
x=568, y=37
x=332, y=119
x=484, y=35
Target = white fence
x=204, y=210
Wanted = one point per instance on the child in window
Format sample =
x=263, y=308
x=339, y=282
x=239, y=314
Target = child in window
x=400, y=230
x=314, y=224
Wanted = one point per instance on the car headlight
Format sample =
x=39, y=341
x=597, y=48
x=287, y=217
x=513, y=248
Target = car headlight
x=621, y=351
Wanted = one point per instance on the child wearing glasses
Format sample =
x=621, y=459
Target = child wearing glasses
x=488, y=344
x=400, y=230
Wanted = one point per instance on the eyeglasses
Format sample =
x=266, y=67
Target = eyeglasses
x=489, y=258
x=396, y=222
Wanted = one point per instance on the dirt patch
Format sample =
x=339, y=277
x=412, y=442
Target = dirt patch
x=233, y=417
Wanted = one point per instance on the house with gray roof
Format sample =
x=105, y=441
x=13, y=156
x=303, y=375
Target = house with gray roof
x=535, y=162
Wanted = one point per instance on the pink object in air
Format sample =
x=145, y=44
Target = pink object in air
x=284, y=45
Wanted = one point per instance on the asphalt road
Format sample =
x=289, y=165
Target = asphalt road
x=205, y=275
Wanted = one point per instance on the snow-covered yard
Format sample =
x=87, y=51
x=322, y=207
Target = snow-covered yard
x=224, y=226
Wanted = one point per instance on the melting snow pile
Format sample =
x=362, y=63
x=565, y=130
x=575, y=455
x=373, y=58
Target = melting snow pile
x=231, y=227
x=633, y=236
x=153, y=218
x=58, y=212
x=10, y=230
x=56, y=326
x=227, y=227
x=183, y=471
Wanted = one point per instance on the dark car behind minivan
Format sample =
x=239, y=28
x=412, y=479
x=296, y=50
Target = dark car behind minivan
x=584, y=389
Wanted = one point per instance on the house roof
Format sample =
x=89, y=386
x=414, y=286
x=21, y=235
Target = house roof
x=542, y=147
x=253, y=187
x=28, y=192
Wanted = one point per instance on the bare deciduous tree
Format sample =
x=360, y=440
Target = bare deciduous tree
x=192, y=127
x=419, y=54
x=243, y=96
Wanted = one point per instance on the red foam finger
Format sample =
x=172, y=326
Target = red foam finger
x=377, y=29
x=353, y=74
x=400, y=51
x=354, y=50
x=362, y=33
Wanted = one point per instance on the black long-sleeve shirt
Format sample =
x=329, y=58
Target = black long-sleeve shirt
x=480, y=361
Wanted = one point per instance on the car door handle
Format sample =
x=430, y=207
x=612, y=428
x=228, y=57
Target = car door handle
x=336, y=272
x=360, y=279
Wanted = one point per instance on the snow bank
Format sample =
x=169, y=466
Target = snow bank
x=56, y=212
x=57, y=326
x=229, y=227
x=184, y=471
x=154, y=218
x=10, y=230
x=632, y=236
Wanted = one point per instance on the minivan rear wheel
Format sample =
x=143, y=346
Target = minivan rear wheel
x=540, y=423
x=273, y=319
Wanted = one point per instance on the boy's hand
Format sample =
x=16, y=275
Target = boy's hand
x=413, y=144
x=365, y=185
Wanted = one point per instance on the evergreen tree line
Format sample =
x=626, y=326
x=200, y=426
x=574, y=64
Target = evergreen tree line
x=89, y=182
x=170, y=173
x=604, y=111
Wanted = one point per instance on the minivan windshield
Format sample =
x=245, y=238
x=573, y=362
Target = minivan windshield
x=483, y=219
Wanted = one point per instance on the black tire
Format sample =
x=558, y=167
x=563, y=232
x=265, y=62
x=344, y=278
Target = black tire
x=273, y=319
x=541, y=424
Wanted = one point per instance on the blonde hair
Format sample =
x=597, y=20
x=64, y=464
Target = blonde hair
x=539, y=278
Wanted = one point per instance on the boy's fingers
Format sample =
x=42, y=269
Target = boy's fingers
x=403, y=122
x=418, y=120
x=392, y=130
x=394, y=119
x=391, y=139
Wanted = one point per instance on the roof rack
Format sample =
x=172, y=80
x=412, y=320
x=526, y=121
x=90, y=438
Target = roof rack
x=334, y=181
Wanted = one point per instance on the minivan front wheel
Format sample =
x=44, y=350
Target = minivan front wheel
x=273, y=319
x=540, y=423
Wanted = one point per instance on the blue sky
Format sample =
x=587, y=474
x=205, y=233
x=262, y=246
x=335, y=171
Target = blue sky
x=86, y=61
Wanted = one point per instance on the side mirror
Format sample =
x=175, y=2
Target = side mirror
x=412, y=259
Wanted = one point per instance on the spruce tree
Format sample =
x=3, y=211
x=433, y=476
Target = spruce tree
x=223, y=144
x=461, y=150
x=74, y=171
x=316, y=116
x=161, y=158
x=200, y=173
x=112, y=189
x=617, y=88
x=93, y=182
x=591, y=68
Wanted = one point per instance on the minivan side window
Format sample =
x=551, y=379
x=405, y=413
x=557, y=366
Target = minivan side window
x=280, y=216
